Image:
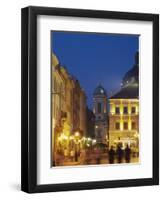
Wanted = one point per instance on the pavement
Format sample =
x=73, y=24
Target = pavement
x=92, y=160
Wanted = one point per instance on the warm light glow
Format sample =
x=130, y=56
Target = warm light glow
x=71, y=137
x=136, y=135
x=129, y=124
x=65, y=137
x=121, y=125
x=77, y=134
x=83, y=138
x=112, y=108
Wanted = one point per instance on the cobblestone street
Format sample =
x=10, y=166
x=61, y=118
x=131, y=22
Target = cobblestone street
x=92, y=159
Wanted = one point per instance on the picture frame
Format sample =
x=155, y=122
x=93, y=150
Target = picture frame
x=29, y=98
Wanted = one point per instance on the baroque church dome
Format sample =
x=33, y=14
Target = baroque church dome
x=99, y=90
x=132, y=76
x=130, y=83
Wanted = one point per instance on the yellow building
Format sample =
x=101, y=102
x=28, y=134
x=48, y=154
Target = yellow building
x=100, y=110
x=82, y=117
x=68, y=102
x=58, y=105
x=68, y=107
x=79, y=108
x=124, y=111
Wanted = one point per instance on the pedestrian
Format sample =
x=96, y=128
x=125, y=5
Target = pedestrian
x=127, y=154
x=119, y=153
x=87, y=157
x=76, y=154
x=82, y=157
x=97, y=156
x=111, y=155
x=72, y=155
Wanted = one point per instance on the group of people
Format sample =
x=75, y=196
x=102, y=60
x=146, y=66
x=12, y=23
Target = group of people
x=119, y=154
x=94, y=155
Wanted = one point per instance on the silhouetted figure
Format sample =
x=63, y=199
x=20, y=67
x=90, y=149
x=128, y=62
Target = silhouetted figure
x=97, y=156
x=76, y=154
x=111, y=155
x=119, y=154
x=127, y=154
x=72, y=153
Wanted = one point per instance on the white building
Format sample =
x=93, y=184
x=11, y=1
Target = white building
x=100, y=111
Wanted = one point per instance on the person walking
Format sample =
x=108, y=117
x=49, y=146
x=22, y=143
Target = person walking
x=127, y=154
x=111, y=155
x=72, y=155
x=119, y=154
x=97, y=156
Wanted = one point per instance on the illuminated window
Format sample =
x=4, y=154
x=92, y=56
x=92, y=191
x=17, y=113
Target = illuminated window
x=99, y=107
x=133, y=110
x=125, y=125
x=125, y=110
x=133, y=125
x=117, y=125
x=117, y=110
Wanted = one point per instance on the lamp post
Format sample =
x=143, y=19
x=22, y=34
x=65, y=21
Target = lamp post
x=77, y=135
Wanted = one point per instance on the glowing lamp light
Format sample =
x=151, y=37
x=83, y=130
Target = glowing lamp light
x=65, y=137
x=71, y=137
x=94, y=141
x=77, y=134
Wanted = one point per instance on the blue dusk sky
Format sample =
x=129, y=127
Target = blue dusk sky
x=96, y=58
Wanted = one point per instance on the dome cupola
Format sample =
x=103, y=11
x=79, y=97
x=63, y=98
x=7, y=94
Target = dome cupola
x=132, y=76
x=99, y=91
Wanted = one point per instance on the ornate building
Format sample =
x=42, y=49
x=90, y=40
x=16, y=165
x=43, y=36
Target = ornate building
x=68, y=109
x=82, y=112
x=90, y=123
x=124, y=110
x=100, y=111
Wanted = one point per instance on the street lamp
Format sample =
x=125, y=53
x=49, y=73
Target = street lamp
x=77, y=134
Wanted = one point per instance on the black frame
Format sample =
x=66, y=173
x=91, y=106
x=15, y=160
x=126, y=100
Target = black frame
x=29, y=99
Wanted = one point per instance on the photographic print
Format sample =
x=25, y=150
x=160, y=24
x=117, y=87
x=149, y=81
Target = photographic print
x=94, y=98
x=90, y=99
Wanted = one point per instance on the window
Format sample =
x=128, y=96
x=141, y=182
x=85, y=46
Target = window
x=125, y=125
x=99, y=107
x=133, y=125
x=125, y=110
x=117, y=110
x=133, y=110
x=117, y=125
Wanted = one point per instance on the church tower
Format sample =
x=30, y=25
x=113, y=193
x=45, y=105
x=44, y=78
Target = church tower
x=100, y=110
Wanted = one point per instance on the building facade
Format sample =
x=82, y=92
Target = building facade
x=124, y=111
x=82, y=112
x=100, y=110
x=90, y=124
x=68, y=107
